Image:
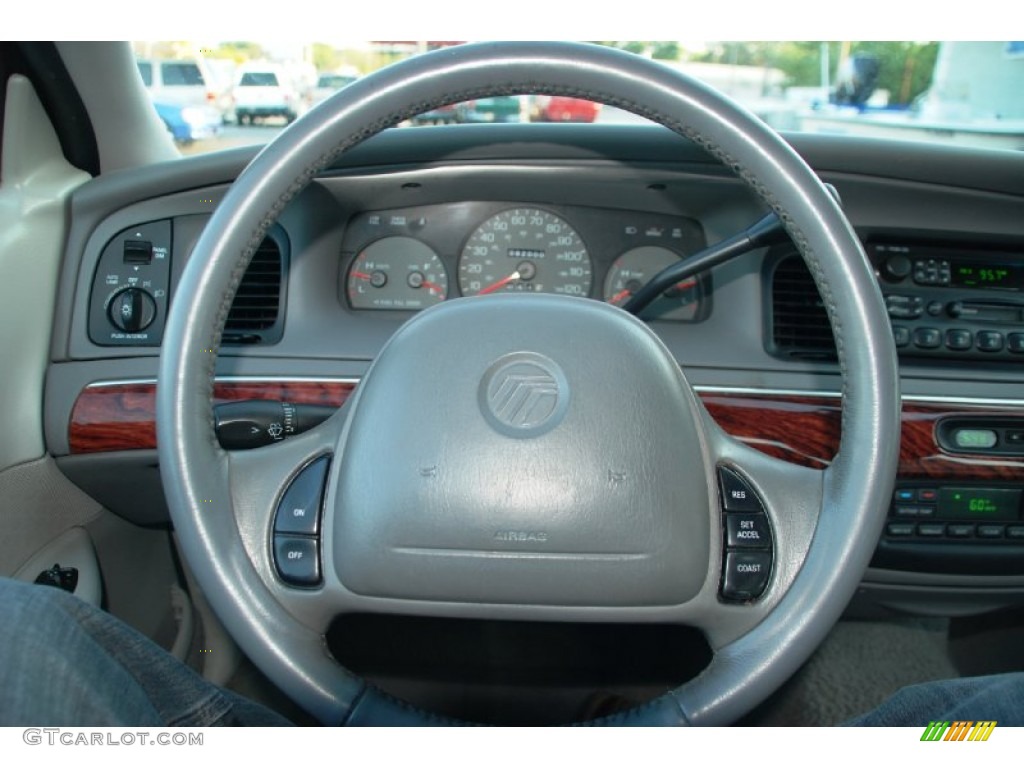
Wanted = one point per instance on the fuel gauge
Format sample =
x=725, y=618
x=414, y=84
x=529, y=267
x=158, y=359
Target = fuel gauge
x=631, y=271
x=396, y=273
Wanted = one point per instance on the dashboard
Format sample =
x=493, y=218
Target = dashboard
x=418, y=216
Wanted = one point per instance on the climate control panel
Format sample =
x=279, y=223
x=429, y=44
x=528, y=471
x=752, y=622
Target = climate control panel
x=968, y=528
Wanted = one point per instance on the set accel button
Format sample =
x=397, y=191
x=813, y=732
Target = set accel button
x=747, y=531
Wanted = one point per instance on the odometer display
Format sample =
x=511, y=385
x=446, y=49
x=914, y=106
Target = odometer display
x=525, y=250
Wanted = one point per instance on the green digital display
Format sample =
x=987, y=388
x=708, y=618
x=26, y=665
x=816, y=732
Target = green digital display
x=1008, y=276
x=975, y=438
x=979, y=503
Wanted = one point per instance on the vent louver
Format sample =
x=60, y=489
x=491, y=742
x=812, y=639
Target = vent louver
x=800, y=327
x=257, y=302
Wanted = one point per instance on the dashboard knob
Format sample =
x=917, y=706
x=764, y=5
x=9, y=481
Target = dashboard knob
x=132, y=310
x=897, y=267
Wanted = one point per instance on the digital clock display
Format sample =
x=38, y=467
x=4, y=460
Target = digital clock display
x=979, y=503
x=969, y=274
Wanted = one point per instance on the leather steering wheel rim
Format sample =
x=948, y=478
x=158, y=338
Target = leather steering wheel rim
x=197, y=474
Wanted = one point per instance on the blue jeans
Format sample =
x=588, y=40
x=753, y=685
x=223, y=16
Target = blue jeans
x=66, y=663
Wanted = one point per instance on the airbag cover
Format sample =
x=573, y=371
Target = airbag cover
x=520, y=449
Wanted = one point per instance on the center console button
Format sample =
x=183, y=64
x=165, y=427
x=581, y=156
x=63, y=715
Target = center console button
x=989, y=341
x=927, y=338
x=959, y=338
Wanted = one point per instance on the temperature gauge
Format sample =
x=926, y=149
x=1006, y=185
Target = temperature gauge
x=396, y=273
x=631, y=271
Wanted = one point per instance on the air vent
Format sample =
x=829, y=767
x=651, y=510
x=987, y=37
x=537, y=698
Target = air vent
x=255, y=313
x=800, y=327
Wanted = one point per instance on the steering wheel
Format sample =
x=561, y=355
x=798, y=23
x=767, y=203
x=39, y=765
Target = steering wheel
x=560, y=468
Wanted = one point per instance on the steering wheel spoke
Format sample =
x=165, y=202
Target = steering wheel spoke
x=278, y=496
x=768, y=513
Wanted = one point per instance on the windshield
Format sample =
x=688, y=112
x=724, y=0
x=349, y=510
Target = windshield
x=964, y=93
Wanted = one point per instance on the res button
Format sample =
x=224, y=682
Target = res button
x=737, y=496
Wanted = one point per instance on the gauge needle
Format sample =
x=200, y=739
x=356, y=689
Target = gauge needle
x=360, y=276
x=500, y=284
x=434, y=288
x=680, y=286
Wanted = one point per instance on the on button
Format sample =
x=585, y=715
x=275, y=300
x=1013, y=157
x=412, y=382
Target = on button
x=299, y=510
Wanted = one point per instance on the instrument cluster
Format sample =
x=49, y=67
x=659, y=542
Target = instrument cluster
x=411, y=258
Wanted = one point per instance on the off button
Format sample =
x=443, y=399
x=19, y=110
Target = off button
x=297, y=560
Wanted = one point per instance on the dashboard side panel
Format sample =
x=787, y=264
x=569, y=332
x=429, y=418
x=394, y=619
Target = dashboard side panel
x=800, y=430
x=122, y=417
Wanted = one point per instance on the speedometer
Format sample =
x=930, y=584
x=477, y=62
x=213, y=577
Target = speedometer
x=527, y=250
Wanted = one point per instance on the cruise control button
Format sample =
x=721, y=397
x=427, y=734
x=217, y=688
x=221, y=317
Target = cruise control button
x=299, y=510
x=1015, y=342
x=737, y=496
x=1015, y=531
x=901, y=335
x=959, y=531
x=931, y=529
x=900, y=529
x=990, y=531
x=745, y=575
x=297, y=560
x=749, y=531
